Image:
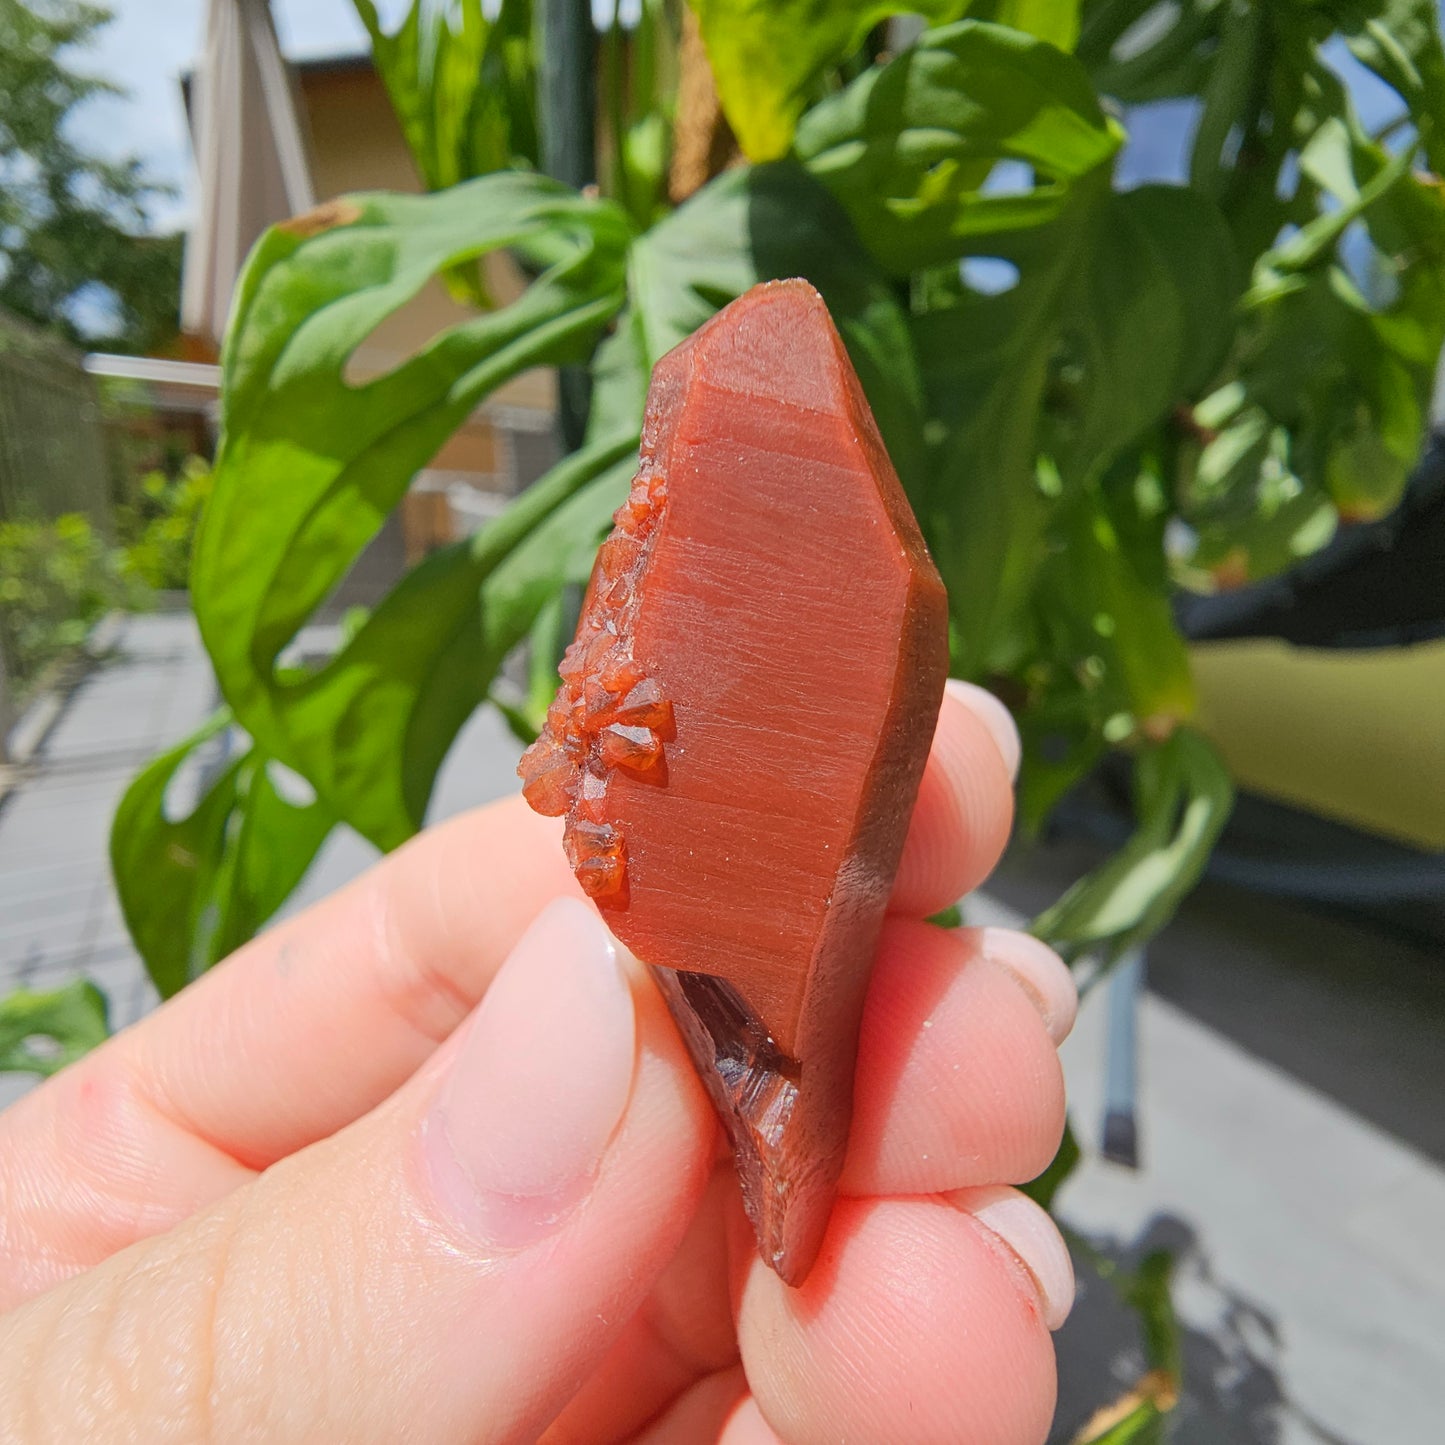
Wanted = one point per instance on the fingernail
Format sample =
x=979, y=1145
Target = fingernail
x=1042, y=974
x=994, y=716
x=518, y=1130
x=1032, y=1238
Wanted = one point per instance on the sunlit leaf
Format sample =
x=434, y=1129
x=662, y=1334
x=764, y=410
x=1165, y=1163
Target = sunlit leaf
x=907, y=146
x=194, y=888
x=42, y=1032
x=378, y=720
x=1326, y=414
x=1056, y=21
x=312, y=461
x=1276, y=271
x=460, y=77
x=1250, y=514
x=1182, y=799
x=1066, y=1159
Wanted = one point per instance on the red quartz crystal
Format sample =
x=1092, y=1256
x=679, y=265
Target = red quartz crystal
x=741, y=727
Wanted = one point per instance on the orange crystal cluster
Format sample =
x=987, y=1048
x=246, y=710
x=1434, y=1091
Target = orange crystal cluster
x=608, y=714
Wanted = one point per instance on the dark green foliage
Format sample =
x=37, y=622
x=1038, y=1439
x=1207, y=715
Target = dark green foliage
x=1183, y=384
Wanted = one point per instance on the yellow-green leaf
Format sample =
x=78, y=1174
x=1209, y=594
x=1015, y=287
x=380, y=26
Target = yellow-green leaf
x=766, y=56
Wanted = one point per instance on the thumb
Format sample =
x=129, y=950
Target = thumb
x=450, y=1267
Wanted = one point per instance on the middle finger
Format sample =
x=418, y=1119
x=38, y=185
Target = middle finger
x=958, y=1080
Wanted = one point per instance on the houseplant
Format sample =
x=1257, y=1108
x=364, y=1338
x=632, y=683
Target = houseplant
x=1185, y=383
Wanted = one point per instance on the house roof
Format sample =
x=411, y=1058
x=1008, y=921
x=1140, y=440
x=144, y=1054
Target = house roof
x=348, y=62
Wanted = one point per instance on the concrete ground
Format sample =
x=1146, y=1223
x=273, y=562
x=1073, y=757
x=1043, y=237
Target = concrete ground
x=1293, y=1068
x=1292, y=1155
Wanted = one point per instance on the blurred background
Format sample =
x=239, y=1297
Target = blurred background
x=1259, y=1066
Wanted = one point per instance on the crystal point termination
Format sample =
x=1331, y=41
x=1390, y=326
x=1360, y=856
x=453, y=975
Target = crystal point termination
x=741, y=729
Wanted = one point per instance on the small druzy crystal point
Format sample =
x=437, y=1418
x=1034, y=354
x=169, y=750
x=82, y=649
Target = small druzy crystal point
x=741, y=729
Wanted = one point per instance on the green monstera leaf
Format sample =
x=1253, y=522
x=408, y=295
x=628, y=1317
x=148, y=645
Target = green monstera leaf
x=41, y=1032
x=907, y=147
x=1122, y=310
x=312, y=461
x=193, y=888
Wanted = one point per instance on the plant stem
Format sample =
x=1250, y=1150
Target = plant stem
x=567, y=115
x=614, y=100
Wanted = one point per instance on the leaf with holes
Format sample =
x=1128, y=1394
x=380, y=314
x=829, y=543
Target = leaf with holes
x=194, y=888
x=374, y=725
x=312, y=461
x=42, y=1032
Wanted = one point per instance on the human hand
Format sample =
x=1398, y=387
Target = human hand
x=325, y=1195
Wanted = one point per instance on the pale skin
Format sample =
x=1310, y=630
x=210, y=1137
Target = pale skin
x=421, y=1165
